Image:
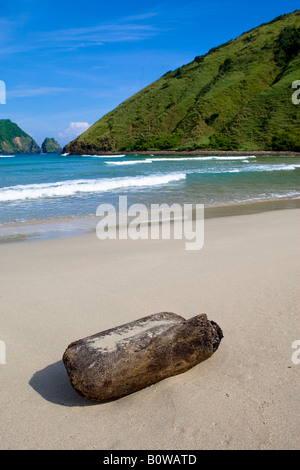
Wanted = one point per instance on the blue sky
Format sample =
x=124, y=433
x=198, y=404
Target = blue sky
x=67, y=63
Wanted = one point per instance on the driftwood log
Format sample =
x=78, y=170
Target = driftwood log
x=130, y=357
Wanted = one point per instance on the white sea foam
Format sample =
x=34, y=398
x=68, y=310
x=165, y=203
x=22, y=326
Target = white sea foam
x=7, y=156
x=72, y=187
x=130, y=162
x=263, y=168
x=270, y=196
x=169, y=159
x=93, y=156
x=270, y=167
x=292, y=167
x=182, y=159
x=254, y=168
x=177, y=159
x=229, y=158
x=104, y=156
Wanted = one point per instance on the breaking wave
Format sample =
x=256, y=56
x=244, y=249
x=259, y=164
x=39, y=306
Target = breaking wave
x=76, y=187
x=179, y=159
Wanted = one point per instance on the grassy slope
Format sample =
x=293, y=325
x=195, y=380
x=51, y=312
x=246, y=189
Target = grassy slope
x=14, y=140
x=237, y=96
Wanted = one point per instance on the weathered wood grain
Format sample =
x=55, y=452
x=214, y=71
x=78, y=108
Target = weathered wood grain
x=130, y=357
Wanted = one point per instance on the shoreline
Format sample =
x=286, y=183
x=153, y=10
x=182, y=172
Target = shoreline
x=199, y=152
x=195, y=152
x=72, y=227
x=245, y=278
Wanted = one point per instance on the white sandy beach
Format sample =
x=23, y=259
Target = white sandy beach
x=246, y=396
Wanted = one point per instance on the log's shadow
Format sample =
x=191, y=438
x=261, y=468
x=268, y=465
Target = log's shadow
x=53, y=384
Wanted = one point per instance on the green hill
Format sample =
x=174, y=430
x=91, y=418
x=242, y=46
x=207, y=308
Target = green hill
x=50, y=145
x=236, y=97
x=13, y=140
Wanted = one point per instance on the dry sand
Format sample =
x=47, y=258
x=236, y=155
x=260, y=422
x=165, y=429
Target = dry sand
x=246, y=396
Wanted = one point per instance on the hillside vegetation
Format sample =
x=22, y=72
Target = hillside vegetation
x=236, y=97
x=50, y=145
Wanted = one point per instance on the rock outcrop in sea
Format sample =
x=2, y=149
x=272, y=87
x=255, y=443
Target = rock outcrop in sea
x=50, y=145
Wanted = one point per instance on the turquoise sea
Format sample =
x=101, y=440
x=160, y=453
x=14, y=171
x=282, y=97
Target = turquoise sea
x=57, y=195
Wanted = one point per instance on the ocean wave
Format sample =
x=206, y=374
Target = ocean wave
x=7, y=156
x=270, y=167
x=76, y=187
x=241, y=169
x=229, y=158
x=130, y=162
x=93, y=156
x=246, y=169
x=177, y=159
x=199, y=158
x=293, y=194
x=261, y=168
x=103, y=156
x=294, y=167
x=269, y=197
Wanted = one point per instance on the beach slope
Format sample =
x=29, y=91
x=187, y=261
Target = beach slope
x=246, y=396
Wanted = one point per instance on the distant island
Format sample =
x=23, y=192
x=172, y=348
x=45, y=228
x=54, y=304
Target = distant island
x=50, y=145
x=237, y=97
x=14, y=140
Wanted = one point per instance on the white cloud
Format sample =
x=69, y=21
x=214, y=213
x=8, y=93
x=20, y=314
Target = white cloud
x=132, y=28
x=25, y=92
x=98, y=35
x=74, y=130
